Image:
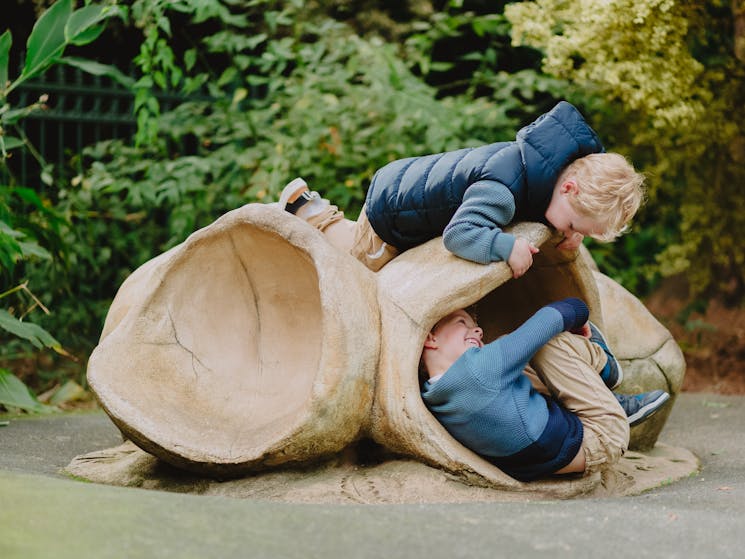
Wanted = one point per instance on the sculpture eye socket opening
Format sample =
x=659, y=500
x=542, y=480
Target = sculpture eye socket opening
x=509, y=305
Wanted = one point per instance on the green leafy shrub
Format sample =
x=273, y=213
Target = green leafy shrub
x=303, y=97
x=30, y=230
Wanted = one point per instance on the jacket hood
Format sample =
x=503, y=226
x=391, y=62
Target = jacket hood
x=549, y=144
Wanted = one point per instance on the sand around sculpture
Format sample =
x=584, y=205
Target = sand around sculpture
x=255, y=350
x=390, y=481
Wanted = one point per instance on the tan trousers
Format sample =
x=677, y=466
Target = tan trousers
x=355, y=237
x=567, y=368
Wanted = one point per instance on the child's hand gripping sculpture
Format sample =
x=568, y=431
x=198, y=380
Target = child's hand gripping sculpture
x=521, y=257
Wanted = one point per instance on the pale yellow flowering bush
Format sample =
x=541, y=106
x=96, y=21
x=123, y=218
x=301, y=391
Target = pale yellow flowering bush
x=673, y=68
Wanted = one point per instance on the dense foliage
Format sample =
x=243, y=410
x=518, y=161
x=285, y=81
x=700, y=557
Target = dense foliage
x=330, y=90
x=26, y=221
x=277, y=90
x=674, y=72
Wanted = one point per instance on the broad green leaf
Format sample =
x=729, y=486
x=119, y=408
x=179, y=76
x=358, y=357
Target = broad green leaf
x=144, y=82
x=10, y=142
x=13, y=392
x=6, y=40
x=190, y=58
x=98, y=69
x=227, y=76
x=160, y=79
x=31, y=248
x=28, y=331
x=6, y=229
x=10, y=250
x=43, y=206
x=165, y=24
x=47, y=40
x=86, y=24
x=81, y=21
x=88, y=35
x=28, y=195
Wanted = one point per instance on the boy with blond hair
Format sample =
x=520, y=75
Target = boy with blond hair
x=555, y=172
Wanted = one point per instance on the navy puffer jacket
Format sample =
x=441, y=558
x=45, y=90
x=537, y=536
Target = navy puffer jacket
x=411, y=201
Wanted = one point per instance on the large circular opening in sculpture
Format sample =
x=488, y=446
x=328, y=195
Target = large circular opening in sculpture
x=227, y=347
x=505, y=308
x=249, y=339
x=422, y=286
x=239, y=354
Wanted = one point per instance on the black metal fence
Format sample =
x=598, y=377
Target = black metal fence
x=82, y=109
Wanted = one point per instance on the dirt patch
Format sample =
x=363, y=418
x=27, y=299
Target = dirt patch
x=712, y=339
x=390, y=481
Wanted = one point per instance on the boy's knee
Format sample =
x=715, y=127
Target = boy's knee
x=603, y=450
x=564, y=345
x=568, y=346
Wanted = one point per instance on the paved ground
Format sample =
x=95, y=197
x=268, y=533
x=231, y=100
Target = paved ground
x=45, y=515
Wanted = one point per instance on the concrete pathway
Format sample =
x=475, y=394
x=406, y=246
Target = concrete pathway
x=46, y=515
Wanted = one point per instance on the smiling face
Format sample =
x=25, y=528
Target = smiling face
x=454, y=335
x=563, y=216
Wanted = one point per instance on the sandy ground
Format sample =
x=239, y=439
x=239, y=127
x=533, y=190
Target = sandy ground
x=388, y=482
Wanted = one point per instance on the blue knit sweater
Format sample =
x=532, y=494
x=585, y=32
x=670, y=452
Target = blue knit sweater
x=486, y=403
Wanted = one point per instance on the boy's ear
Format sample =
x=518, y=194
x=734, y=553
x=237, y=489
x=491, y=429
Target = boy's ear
x=430, y=342
x=569, y=186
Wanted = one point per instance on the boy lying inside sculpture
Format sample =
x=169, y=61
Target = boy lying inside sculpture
x=537, y=401
x=555, y=173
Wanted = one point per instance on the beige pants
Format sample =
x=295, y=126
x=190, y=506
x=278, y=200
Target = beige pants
x=567, y=369
x=355, y=237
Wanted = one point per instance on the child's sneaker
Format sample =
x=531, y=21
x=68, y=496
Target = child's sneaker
x=292, y=194
x=612, y=373
x=639, y=407
x=295, y=197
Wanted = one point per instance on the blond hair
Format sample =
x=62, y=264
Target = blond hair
x=610, y=191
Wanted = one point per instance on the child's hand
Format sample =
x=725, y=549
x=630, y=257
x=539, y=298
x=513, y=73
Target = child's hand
x=521, y=257
x=583, y=330
x=571, y=241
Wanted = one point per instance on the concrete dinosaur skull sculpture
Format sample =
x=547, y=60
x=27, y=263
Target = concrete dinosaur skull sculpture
x=255, y=343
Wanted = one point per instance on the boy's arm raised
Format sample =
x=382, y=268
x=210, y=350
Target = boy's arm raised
x=475, y=230
x=519, y=346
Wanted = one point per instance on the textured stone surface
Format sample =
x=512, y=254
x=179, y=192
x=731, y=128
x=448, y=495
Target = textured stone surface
x=648, y=353
x=247, y=345
x=255, y=343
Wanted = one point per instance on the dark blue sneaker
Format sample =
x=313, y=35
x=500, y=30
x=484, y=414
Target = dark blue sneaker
x=612, y=373
x=639, y=407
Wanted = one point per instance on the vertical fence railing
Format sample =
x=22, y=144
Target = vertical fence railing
x=82, y=110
